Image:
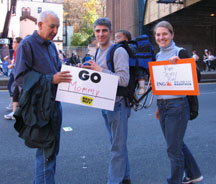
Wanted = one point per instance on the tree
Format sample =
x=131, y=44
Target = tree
x=78, y=39
x=73, y=11
x=81, y=14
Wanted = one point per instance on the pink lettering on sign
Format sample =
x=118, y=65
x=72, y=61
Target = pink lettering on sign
x=75, y=87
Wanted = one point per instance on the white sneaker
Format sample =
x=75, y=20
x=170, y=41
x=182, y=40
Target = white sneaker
x=9, y=116
x=141, y=91
x=187, y=180
x=10, y=107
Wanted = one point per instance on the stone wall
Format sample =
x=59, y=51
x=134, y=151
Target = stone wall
x=124, y=15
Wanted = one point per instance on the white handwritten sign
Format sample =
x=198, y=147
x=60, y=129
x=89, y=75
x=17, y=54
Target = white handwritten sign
x=89, y=88
x=174, y=79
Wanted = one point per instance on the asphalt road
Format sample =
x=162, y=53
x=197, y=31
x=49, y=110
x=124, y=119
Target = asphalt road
x=84, y=154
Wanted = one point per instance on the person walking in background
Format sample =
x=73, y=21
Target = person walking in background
x=173, y=113
x=37, y=58
x=116, y=121
x=86, y=58
x=195, y=56
x=72, y=60
x=62, y=56
x=211, y=61
x=206, y=60
x=12, y=87
x=5, y=64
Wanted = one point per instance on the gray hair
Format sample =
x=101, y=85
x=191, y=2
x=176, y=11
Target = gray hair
x=164, y=24
x=44, y=14
x=103, y=21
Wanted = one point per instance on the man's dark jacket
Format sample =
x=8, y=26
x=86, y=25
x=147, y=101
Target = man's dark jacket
x=37, y=115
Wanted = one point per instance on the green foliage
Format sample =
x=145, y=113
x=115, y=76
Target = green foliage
x=82, y=14
x=80, y=39
x=90, y=11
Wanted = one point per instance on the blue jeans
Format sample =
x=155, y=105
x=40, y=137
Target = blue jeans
x=45, y=169
x=5, y=68
x=10, y=82
x=174, y=116
x=117, y=125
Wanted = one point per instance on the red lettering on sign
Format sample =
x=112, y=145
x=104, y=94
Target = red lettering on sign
x=73, y=86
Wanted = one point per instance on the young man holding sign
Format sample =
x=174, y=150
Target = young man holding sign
x=116, y=121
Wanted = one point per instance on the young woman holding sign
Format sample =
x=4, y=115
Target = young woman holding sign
x=173, y=113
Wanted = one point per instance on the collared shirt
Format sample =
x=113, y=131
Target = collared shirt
x=34, y=53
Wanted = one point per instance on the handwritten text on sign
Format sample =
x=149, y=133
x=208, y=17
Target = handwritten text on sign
x=174, y=79
x=88, y=88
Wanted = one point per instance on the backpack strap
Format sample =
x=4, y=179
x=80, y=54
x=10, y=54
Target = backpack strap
x=126, y=46
x=110, y=57
x=121, y=91
x=178, y=49
x=96, y=54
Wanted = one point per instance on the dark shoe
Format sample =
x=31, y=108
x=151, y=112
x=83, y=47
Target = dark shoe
x=128, y=181
x=187, y=180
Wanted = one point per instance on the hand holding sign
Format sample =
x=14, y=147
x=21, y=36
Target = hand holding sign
x=174, y=59
x=64, y=76
x=92, y=66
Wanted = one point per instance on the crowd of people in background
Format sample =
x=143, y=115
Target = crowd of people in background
x=7, y=62
x=208, y=59
x=73, y=60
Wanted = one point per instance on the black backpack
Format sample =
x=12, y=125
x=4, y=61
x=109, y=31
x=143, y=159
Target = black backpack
x=144, y=51
x=134, y=63
x=127, y=92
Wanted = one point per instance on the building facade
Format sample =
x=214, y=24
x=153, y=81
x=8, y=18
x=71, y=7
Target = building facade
x=194, y=21
x=124, y=15
x=24, y=18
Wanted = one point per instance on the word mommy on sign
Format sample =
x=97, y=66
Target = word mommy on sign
x=77, y=86
x=88, y=88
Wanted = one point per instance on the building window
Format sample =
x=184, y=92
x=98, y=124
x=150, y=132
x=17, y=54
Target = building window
x=39, y=9
x=23, y=11
x=28, y=11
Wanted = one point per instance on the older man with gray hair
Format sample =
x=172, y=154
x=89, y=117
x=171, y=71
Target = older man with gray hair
x=38, y=54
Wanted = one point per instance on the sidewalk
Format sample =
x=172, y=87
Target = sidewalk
x=3, y=82
x=206, y=76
